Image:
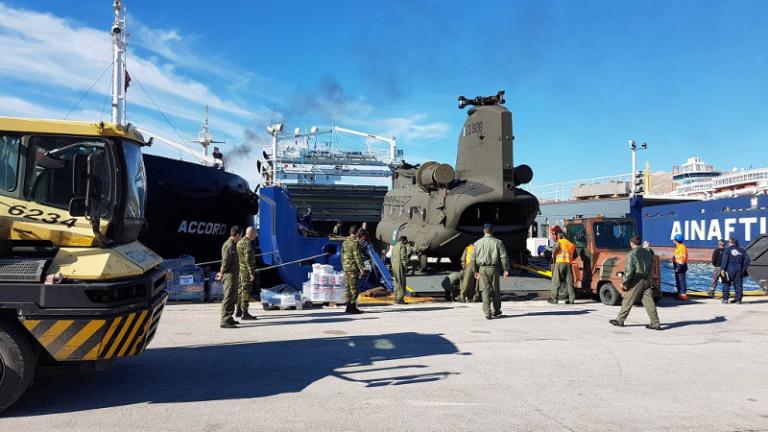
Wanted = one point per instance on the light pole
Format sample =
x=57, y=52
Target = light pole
x=633, y=147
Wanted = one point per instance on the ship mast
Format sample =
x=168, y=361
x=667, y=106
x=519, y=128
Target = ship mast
x=205, y=138
x=119, y=43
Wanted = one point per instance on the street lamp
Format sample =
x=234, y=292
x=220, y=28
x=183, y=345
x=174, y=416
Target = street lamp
x=634, y=147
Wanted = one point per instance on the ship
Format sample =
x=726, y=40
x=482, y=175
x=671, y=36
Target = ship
x=309, y=184
x=206, y=199
x=702, y=204
x=732, y=204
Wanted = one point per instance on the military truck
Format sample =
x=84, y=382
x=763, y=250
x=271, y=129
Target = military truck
x=602, y=245
x=76, y=288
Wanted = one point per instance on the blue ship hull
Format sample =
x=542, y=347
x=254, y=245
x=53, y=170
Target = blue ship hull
x=702, y=223
x=281, y=241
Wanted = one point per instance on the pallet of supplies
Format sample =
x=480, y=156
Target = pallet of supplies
x=185, y=281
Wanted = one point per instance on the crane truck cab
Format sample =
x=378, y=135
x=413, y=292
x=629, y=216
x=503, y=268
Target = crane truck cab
x=602, y=245
x=75, y=284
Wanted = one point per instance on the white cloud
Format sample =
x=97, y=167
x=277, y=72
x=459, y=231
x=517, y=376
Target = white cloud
x=16, y=107
x=412, y=129
x=57, y=60
x=42, y=48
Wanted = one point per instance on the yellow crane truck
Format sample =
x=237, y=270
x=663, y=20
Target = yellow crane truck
x=75, y=284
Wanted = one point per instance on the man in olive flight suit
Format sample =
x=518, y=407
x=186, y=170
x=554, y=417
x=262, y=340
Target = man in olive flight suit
x=247, y=259
x=636, y=285
x=401, y=254
x=490, y=255
x=230, y=269
x=352, y=264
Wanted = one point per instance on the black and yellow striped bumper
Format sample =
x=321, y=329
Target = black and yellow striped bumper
x=79, y=338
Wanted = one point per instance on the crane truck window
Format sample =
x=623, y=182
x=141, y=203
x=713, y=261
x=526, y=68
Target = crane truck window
x=50, y=179
x=613, y=235
x=137, y=181
x=9, y=161
x=577, y=234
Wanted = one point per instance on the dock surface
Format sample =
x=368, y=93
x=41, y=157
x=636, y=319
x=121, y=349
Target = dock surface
x=427, y=367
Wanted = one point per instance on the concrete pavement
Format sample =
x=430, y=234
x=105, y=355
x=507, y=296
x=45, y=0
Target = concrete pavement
x=427, y=367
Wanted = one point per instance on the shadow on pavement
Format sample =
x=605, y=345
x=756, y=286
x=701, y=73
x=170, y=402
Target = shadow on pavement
x=269, y=322
x=715, y=320
x=667, y=302
x=248, y=370
x=549, y=313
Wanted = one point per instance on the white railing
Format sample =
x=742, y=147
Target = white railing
x=564, y=191
x=737, y=178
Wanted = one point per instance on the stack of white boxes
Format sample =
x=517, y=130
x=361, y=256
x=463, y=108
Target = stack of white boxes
x=324, y=285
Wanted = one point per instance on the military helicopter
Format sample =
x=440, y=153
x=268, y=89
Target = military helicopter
x=442, y=209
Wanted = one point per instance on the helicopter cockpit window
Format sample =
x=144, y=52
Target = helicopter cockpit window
x=49, y=179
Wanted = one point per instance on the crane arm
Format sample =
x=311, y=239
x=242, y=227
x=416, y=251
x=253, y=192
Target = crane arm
x=208, y=160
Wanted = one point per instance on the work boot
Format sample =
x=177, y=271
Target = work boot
x=617, y=323
x=355, y=310
x=248, y=317
x=683, y=297
x=653, y=326
x=497, y=313
x=551, y=301
x=228, y=324
x=232, y=321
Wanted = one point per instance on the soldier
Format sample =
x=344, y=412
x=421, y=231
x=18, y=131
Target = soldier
x=337, y=228
x=636, y=284
x=401, y=254
x=562, y=271
x=247, y=260
x=468, y=281
x=230, y=267
x=490, y=254
x=352, y=264
x=733, y=267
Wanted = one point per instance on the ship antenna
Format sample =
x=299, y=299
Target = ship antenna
x=119, y=74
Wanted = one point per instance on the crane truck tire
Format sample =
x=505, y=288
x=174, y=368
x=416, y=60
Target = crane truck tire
x=18, y=358
x=609, y=295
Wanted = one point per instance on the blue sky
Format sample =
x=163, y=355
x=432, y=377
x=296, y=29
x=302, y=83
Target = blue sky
x=582, y=77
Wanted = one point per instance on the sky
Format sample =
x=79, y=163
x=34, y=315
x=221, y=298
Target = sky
x=690, y=78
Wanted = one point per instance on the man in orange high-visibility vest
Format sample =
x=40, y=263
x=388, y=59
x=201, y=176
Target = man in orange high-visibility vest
x=562, y=272
x=680, y=264
x=467, y=291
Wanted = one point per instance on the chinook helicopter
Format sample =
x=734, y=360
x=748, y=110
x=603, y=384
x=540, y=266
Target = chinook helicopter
x=442, y=209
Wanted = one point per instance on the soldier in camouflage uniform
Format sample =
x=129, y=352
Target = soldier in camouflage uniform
x=636, y=284
x=490, y=255
x=352, y=264
x=401, y=254
x=247, y=259
x=230, y=269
